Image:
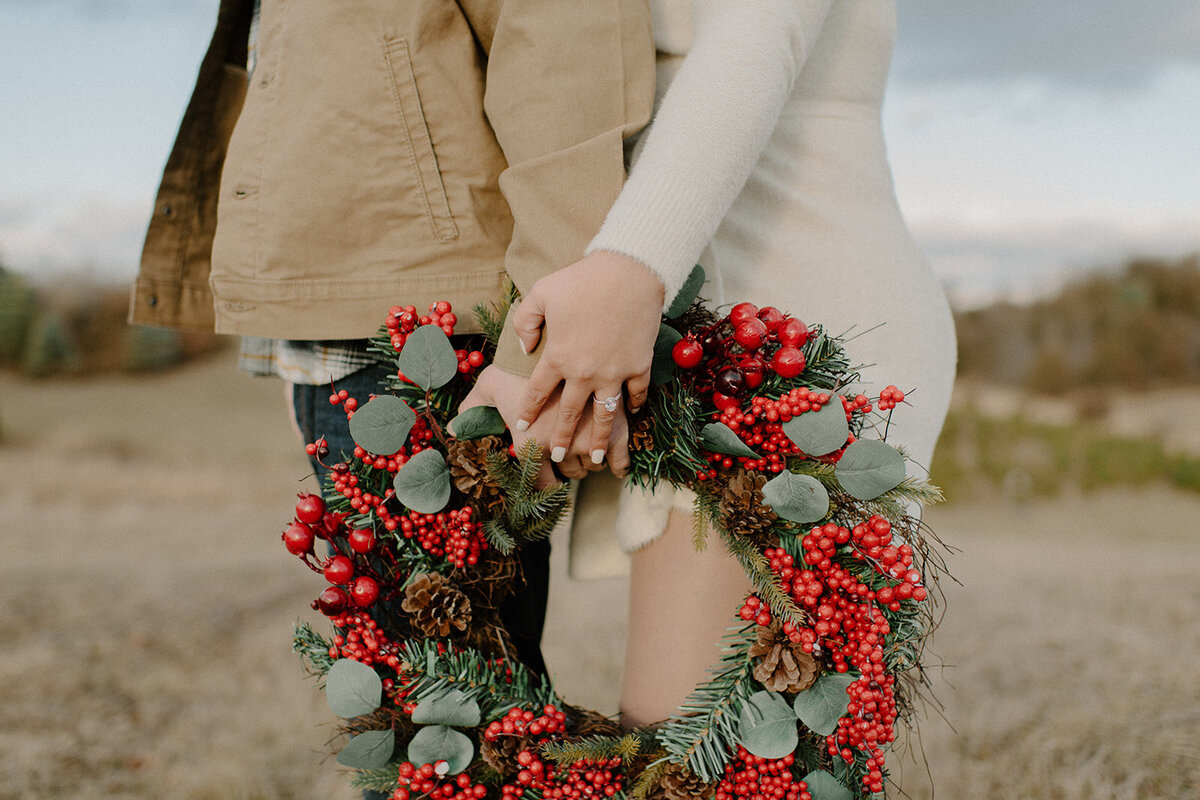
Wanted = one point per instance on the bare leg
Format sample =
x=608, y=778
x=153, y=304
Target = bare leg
x=680, y=604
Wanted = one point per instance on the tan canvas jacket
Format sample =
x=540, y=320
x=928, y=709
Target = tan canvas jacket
x=391, y=152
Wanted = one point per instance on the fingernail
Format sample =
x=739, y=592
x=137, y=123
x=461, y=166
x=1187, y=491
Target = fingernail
x=522, y=426
x=597, y=456
x=558, y=454
x=524, y=347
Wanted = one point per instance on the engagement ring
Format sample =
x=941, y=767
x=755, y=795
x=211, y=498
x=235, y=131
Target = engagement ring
x=609, y=403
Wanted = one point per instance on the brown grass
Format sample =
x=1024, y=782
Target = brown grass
x=149, y=606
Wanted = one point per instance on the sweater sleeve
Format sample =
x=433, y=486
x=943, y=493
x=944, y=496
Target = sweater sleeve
x=709, y=131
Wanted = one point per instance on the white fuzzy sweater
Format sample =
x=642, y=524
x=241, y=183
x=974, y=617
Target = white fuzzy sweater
x=765, y=162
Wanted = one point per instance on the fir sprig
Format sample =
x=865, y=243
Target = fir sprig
x=594, y=748
x=312, y=647
x=764, y=579
x=703, y=735
x=496, y=686
x=383, y=779
x=530, y=513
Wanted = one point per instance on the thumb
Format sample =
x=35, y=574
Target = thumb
x=527, y=320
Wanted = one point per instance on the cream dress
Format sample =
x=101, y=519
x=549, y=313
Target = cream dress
x=765, y=163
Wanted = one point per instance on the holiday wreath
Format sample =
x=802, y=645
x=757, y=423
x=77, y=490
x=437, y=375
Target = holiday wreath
x=750, y=410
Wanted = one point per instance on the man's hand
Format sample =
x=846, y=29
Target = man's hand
x=504, y=391
x=601, y=317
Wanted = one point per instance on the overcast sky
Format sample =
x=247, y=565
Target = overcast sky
x=1029, y=140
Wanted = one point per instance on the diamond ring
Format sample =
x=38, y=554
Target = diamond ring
x=609, y=403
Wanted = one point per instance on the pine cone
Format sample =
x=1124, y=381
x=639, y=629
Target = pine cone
x=677, y=783
x=468, y=467
x=780, y=665
x=501, y=753
x=436, y=605
x=743, y=509
x=641, y=433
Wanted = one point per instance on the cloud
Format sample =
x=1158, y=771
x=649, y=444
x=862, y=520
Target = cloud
x=1100, y=44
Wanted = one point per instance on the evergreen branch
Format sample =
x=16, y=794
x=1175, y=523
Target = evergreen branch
x=312, y=647
x=594, y=748
x=703, y=734
x=766, y=583
x=498, y=536
x=497, y=687
x=383, y=779
x=706, y=514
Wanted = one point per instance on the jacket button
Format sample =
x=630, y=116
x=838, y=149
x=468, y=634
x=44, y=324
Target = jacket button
x=167, y=210
x=152, y=300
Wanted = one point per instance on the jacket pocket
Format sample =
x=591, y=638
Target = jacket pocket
x=419, y=143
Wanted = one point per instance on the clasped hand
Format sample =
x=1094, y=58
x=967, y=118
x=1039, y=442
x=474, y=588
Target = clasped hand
x=600, y=317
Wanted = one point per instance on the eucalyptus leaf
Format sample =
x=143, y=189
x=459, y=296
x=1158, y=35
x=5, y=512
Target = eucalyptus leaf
x=720, y=438
x=869, y=467
x=428, y=358
x=439, y=743
x=819, y=433
x=423, y=483
x=352, y=688
x=662, y=369
x=368, y=750
x=797, y=498
x=823, y=786
x=767, y=725
x=687, y=293
x=382, y=425
x=451, y=708
x=477, y=422
x=821, y=705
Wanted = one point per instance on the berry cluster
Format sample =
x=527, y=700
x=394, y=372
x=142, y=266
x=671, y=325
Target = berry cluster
x=750, y=777
x=361, y=639
x=733, y=355
x=848, y=624
x=424, y=781
x=754, y=609
x=452, y=534
x=761, y=428
x=403, y=320
x=580, y=780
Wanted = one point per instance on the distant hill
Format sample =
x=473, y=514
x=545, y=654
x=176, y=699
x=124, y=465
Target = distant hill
x=1140, y=327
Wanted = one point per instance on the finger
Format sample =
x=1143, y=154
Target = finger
x=637, y=387
x=546, y=477
x=618, y=453
x=604, y=411
x=528, y=318
x=571, y=406
x=541, y=386
x=573, y=467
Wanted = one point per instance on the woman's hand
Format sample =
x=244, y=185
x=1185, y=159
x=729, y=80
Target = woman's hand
x=601, y=317
x=504, y=391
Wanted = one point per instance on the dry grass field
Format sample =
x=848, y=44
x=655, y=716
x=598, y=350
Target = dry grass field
x=147, y=608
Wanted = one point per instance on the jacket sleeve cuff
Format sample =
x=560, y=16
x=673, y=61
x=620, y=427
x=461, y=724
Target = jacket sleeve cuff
x=510, y=356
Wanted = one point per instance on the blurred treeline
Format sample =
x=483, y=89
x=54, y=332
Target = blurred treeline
x=1138, y=327
x=80, y=328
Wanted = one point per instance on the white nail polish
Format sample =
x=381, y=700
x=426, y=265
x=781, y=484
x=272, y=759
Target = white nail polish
x=522, y=426
x=558, y=454
x=597, y=456
x=524, y=347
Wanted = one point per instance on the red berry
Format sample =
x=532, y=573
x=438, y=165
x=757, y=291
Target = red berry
x=298, y=539
x=310, y=508
x=339, y=570
x=751, y=334
x=742, y=312
x=771, y=316
x=364, y=591
x=332, y=601
x=362, y=540
x=723, y=402
x=687, y=353
x=788, y=362
x=752, y=367
x=792, y=332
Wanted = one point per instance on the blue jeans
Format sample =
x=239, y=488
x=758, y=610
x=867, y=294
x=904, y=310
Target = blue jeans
x=523, y=613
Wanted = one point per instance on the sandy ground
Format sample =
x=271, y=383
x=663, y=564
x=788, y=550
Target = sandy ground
x=148, y=607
